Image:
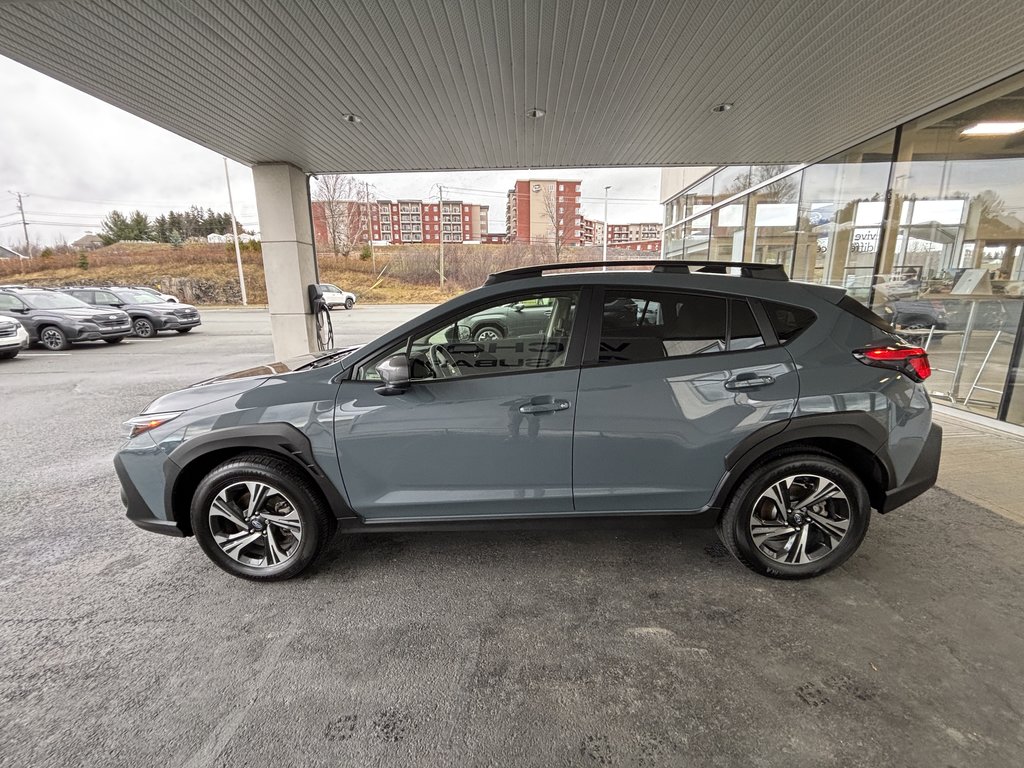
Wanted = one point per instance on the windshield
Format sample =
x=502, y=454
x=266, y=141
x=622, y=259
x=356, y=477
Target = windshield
x=328, y=288
x=138, y=297
x=48, y=300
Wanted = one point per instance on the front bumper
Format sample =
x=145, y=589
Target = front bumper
x=97, y=332
x=174, y=323
x=138, y=510
x=921, y=477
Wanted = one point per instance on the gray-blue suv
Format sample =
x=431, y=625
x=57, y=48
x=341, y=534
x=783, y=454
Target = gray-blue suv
x=780, y=413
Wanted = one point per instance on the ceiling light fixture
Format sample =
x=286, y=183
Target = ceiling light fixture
x=723, y=107
x=993, y=129
x=352, y=118
x=536, y=113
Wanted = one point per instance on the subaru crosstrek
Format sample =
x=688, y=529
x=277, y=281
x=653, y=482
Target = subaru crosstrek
x=779, y=412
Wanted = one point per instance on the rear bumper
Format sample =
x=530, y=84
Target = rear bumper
x=921, y=477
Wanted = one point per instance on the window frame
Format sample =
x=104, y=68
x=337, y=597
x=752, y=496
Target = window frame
x=595, y=321
x=573, y=358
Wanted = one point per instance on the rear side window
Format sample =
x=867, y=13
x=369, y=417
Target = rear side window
x=788, y=321
x=637, y=326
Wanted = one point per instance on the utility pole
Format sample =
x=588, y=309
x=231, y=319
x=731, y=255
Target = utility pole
x=604, y=255
x=369, y=225
x=234, y=229
x=24, y=225
x=440, y=204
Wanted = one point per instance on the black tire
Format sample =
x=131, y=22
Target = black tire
x=53, y=338
x=143, y=328
x=349, y=303
x=734, y=525
x=115, y=340
x=9, y=354
x=317, y=522
x=484, y=333
x=183, y=330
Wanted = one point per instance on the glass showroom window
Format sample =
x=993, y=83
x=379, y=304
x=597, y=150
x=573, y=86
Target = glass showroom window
x=953, y=271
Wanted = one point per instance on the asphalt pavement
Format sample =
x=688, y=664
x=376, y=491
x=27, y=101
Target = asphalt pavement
x=636, y=647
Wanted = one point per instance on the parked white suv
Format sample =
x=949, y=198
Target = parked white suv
x=13, y=338
x=334, y=297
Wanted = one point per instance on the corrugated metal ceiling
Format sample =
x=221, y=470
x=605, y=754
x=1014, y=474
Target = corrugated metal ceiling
x=446, y=84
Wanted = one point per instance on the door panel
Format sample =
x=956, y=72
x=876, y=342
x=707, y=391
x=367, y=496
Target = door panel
x=463, y=447
x=654, y=435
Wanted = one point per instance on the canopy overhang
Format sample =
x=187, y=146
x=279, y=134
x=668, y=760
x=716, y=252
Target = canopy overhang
x=447, y=84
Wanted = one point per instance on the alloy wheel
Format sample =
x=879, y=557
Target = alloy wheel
x=52, y=339
x=800, y=519
x=143, y=328
x=488, y=334
x=255, y=524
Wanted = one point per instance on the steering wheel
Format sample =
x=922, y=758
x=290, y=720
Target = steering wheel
x=442, y=361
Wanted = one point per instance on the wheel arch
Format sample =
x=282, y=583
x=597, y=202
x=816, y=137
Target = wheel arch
x=855, y=439
x=193, y=460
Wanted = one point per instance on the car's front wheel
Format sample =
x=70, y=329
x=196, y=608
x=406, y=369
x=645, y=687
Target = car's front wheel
x=143, y=328
x=53, y=338
x=9, y=354
x=349, y=303
x=258, y=518
x=797, y=516
x=183, y=330
x=114, y=340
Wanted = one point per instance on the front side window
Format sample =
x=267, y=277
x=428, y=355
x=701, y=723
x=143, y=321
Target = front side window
x=518, y=333
x=638, y=326
x=10, y=303
x=105, y=297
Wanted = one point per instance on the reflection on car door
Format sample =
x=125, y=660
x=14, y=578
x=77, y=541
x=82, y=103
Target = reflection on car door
x=662, y=403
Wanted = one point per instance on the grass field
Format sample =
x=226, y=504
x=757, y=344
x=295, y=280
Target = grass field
x=204, y=273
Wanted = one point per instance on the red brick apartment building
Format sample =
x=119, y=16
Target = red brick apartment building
x=540, y=210
x=404, y=221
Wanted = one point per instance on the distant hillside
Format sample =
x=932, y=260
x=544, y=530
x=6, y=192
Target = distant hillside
x=206, y=273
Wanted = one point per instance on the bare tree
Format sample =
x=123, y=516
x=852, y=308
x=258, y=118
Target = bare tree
x=552, y=215
x=345, y=210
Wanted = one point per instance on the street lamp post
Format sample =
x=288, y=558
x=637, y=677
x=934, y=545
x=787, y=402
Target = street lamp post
x=604, y=254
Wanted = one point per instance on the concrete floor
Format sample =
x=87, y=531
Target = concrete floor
x=630, y=648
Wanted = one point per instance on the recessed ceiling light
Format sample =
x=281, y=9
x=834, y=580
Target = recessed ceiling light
x=723, y=107
x=352, y=118
x=993, y=129
x=535, y=113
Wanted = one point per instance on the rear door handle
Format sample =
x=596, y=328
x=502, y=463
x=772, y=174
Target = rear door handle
x=554, y=405
x=749, y=381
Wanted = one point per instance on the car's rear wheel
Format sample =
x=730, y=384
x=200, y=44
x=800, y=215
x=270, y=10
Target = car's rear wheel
x=349, y=303
x=143, y=328
x=488, y=333
x=257, y=518
x=797, y=516
x=183, y=330
x=53, y=338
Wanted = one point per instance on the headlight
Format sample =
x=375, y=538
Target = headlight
x=148, y=421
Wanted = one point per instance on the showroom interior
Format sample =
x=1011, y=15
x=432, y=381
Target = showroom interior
x=924, y=223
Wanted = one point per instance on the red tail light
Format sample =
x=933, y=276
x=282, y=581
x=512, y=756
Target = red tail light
x=908, y=360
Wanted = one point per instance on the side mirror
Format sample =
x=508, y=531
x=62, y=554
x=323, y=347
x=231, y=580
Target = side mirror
x=394, y=372
x=517, y=307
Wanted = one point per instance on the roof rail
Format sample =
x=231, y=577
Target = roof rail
x=746, y=268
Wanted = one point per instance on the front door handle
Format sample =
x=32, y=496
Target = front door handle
x=554, y=405
x=749, y=381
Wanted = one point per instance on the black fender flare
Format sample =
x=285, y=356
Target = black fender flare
x=856, y=427
x=279, y=438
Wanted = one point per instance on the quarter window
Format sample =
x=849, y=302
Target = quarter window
x=789, y=321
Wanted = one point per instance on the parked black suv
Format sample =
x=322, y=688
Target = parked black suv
x=782, y=413
x=55, y=319
x=149, y=314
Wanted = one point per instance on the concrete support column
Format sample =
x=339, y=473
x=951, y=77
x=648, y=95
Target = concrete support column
x=289, y=263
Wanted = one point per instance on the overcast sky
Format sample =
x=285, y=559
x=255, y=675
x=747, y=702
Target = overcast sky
x=76, y=158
